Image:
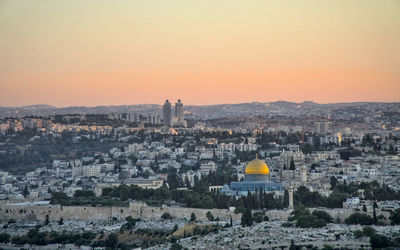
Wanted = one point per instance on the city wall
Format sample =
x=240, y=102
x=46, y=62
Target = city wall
x=85, y=213
x=141, y=210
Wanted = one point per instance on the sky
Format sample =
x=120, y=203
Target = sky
x=94, y=52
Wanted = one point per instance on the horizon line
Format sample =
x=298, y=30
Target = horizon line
x=216, y=104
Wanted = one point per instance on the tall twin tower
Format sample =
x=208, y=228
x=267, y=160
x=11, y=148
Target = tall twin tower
x=178, y=120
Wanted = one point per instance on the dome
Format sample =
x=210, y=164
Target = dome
x=257, y=166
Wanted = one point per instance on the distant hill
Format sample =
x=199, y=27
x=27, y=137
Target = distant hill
x=206, y=111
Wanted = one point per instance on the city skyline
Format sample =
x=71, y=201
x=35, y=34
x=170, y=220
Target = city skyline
x=128, y=52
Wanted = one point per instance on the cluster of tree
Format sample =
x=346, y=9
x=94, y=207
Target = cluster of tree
x=247, y=218
x=366, y=231
x=359, y=218
x=84, y=198
x=197, y=198
x=377, y=241
x=301, y=217
x=303, y=196
x=35, y=237
x=166, y=216
x=395, y=217
x=130, y=224
x=372, y=190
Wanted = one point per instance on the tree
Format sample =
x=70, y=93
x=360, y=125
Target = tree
x=323, y=216
x=378, y=241
x=209, y=215
x=364, y=208
x=307, y=221
x=25, y=192
x=192, y=217
x=292, y=166
x=358, y=234
x=358, y=218
x=374, y=213
x=247, y=218
x=368, y=231
x=292, y=245
x=4, y=237
x=286, y=198
x=46, y=222
x=111, y=241
x=395, y=217
x=84, y=193
x=166, y=216
x=176, y=246
x=333, y=182
x=61, y=221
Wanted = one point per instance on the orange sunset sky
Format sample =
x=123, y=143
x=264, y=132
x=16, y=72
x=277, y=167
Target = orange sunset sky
x=69, y=53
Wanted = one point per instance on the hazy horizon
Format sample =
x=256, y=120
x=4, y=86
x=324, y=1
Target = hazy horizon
x=93, y=53
x=188, y=104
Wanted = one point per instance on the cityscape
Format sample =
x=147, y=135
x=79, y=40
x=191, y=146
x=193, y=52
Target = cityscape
x=186, y=125
x=158, y=180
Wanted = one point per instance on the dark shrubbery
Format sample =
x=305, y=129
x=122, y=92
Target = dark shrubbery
x=166, y=216
x=358, y=218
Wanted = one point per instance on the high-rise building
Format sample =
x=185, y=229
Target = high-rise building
x=322, y=127
x=179, y=113
x=153, y=119
x=167, y=113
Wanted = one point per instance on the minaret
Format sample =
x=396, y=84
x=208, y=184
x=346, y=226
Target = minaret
x=303, y=176
x=291, y=206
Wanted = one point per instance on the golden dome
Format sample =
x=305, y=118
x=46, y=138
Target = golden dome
x=257, y=166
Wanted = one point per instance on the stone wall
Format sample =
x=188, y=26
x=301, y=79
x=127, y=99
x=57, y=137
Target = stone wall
x=142, y=210
x=135, y=209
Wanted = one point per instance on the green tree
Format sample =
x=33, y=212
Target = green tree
x=46, y=222
x=308, y=221
x=395, y=217
x=292, y=166
x=293, y=245
x=192, y=217
x=358, y=218
x=176, y=246
x=358, y=234
x=333, y=182
x=378, y=241
x=4, y=237
x=323, y=215
x=61, y=221
x=111, y=241
x=166, y=216
x=209, y=215
x=247, y=218
x=25, y=192
x=374, y=213
x=368, y=231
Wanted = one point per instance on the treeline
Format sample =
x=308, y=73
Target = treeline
x=35, y=237
x=303, y=196
x=189, y=198
x=85, y=198
x=372, y=190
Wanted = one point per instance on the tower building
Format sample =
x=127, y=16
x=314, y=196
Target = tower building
x=179, y=112
x=167, y=113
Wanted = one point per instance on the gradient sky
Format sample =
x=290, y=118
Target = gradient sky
x=96, y=52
